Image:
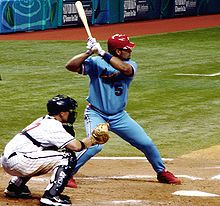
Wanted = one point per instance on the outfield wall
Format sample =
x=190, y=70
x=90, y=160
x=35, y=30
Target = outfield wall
x=28, y=15
x=31, y=15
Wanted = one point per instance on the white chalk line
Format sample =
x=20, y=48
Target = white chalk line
x=194, y=193
x=39, y=179
x=200, y=75
x=189, y=177
x=191, y=193
x=217, y=177
x=127, y=158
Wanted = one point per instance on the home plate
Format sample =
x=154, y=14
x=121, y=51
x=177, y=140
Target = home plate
x=194, y=193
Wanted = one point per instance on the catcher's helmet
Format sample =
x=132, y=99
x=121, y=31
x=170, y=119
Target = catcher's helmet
x=61, y=103
x=119, y=41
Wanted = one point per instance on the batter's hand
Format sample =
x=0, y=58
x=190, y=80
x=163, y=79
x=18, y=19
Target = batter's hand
x=97, y=49
x=100, y=134
x=91, y=42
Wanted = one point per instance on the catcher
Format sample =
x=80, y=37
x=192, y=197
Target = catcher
x=48, y=144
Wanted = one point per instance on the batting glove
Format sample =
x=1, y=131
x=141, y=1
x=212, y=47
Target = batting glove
x=97, y=49
x=91, y=42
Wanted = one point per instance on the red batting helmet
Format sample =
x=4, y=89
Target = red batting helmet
x=119, y=41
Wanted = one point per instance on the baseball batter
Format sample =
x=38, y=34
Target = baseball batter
x=46, y=145
x=111, y=74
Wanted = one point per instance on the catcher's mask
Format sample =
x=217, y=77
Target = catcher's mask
x=61, y=103
x=119, y=41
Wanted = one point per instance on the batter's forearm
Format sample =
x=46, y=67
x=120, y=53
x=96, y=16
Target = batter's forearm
x=121, y=66
x=117, y=63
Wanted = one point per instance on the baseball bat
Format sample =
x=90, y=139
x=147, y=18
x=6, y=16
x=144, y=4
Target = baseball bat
x=83, y=17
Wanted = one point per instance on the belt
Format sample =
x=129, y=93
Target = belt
x=96, y=109
x=12, y=155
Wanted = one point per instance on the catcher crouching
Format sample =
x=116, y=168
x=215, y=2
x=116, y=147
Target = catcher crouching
x=48, y=144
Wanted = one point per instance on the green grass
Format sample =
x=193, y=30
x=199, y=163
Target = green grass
x=180, y=113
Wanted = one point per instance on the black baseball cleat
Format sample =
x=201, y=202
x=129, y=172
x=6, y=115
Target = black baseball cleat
x=61, y=200
x=17, y=192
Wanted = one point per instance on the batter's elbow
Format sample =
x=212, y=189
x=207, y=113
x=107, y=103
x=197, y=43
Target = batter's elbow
x=70, y=67
x=67, y=66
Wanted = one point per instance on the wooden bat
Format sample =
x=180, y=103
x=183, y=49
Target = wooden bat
x=83, y=17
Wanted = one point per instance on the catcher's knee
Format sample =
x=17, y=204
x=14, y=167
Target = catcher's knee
x=68, y=161
x=71, y=158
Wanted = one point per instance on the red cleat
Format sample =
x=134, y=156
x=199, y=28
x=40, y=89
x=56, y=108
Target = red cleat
x=71, y=183
x=168, y=178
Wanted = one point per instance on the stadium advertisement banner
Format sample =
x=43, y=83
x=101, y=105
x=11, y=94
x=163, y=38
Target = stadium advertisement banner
x=185, y=7
x=28, y=15
x=70, y=15
x=174, y=8
x=141, y=9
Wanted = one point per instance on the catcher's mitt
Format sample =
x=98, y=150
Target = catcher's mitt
x=100, y=134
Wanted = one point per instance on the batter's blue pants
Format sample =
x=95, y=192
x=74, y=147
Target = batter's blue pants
x=125, y=127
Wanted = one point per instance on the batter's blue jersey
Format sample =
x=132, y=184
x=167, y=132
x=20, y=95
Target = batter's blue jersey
x=108, y=87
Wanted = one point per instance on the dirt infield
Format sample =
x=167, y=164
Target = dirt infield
x=102, y=32
x=131, y=182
